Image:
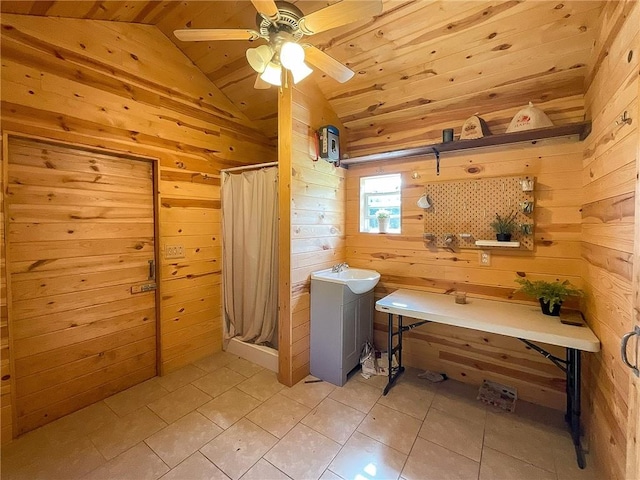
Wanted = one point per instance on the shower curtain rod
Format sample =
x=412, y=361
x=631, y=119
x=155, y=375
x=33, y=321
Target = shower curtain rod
x=249, y=167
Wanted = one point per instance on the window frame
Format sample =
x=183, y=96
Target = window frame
x=365, y=217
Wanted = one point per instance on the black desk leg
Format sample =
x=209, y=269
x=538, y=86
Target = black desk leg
x=394, y=372
x=389, y=340
x=399, y=348
x=573, y=401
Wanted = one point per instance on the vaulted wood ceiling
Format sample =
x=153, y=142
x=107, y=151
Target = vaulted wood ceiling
x=420, y=66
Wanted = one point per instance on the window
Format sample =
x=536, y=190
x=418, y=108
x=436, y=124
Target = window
x=381, y=192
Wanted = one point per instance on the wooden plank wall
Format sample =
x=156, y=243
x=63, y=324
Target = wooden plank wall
x=6, y=381
x=425, y=66
x=318, y=198
x=405, y=262
x=126, y=87
x=609, y=177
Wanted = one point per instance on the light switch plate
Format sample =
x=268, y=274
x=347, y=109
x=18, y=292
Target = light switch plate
x=174, y=251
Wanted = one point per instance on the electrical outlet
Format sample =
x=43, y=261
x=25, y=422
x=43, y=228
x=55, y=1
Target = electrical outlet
x=174, y=251
x=485, y=259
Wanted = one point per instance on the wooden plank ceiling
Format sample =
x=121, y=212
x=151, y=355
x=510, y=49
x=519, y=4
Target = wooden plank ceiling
x=420, y=66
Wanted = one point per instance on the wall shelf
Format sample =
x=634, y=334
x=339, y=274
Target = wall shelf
x=496, y=243
x=581, y=129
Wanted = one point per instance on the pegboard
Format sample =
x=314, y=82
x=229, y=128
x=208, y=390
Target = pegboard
x=465, y=209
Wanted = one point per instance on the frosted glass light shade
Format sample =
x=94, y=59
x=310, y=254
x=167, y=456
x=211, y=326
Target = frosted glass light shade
x=291, y=55
x=272, y=74
x=259, y=57
x=300, y=72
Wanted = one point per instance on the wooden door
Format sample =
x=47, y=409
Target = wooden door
x=633, y=431
x=633, y=436
x=80, y=235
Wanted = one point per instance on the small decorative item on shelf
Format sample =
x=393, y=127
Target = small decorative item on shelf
x=447, y=135
x=549, y=294
x=529, y=118
x=504, y=226
x=474, y=127
x=383, y=220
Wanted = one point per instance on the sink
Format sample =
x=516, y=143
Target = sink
x=359, y=280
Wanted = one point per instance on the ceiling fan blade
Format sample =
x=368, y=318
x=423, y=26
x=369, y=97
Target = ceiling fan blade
x=327, y=64
x=260, y=84
x=210, y=34
x=267, y=8
x=338, y=14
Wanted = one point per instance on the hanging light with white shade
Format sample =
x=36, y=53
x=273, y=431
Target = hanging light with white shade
x=272, y=74
x=292, y=58
x=268, y=61
x=259, y=57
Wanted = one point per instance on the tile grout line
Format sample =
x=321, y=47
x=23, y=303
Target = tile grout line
x=375, y=440
x=244, y=417
x=484, y=433
x=417, y=435
x=350, y=436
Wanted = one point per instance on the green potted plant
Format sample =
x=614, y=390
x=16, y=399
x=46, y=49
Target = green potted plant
x=504, y=226
x=549, y=294
x=383, y=220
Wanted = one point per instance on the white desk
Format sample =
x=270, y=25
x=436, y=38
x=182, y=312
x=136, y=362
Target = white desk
x=524, y=322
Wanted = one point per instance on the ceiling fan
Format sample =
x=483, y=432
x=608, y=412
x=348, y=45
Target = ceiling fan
x=283, y=26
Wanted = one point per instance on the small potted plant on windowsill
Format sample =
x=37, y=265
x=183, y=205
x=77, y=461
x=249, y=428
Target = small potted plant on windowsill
x=383, y=220
x=549, y=294
x=504, y=226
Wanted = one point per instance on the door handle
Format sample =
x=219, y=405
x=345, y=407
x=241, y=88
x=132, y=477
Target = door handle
x=147, y=287
x=623, y=350
x=152, y=269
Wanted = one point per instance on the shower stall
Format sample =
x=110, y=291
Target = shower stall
x=250, y=263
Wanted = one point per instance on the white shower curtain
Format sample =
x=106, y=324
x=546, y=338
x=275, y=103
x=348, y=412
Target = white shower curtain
x=250, y=255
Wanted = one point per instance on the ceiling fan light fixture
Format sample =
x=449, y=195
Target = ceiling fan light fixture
x=259, y=57
x=300, y=72
x=291, y=55
x=283, y=25
x=272, y=74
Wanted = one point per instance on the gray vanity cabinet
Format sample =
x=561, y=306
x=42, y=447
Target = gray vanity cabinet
x=341, y=323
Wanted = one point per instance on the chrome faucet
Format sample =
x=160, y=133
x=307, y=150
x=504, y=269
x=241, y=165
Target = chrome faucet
x=339, y=267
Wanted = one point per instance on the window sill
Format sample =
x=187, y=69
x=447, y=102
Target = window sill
x=388, y=232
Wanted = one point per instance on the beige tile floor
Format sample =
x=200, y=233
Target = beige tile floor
x=226, y=418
